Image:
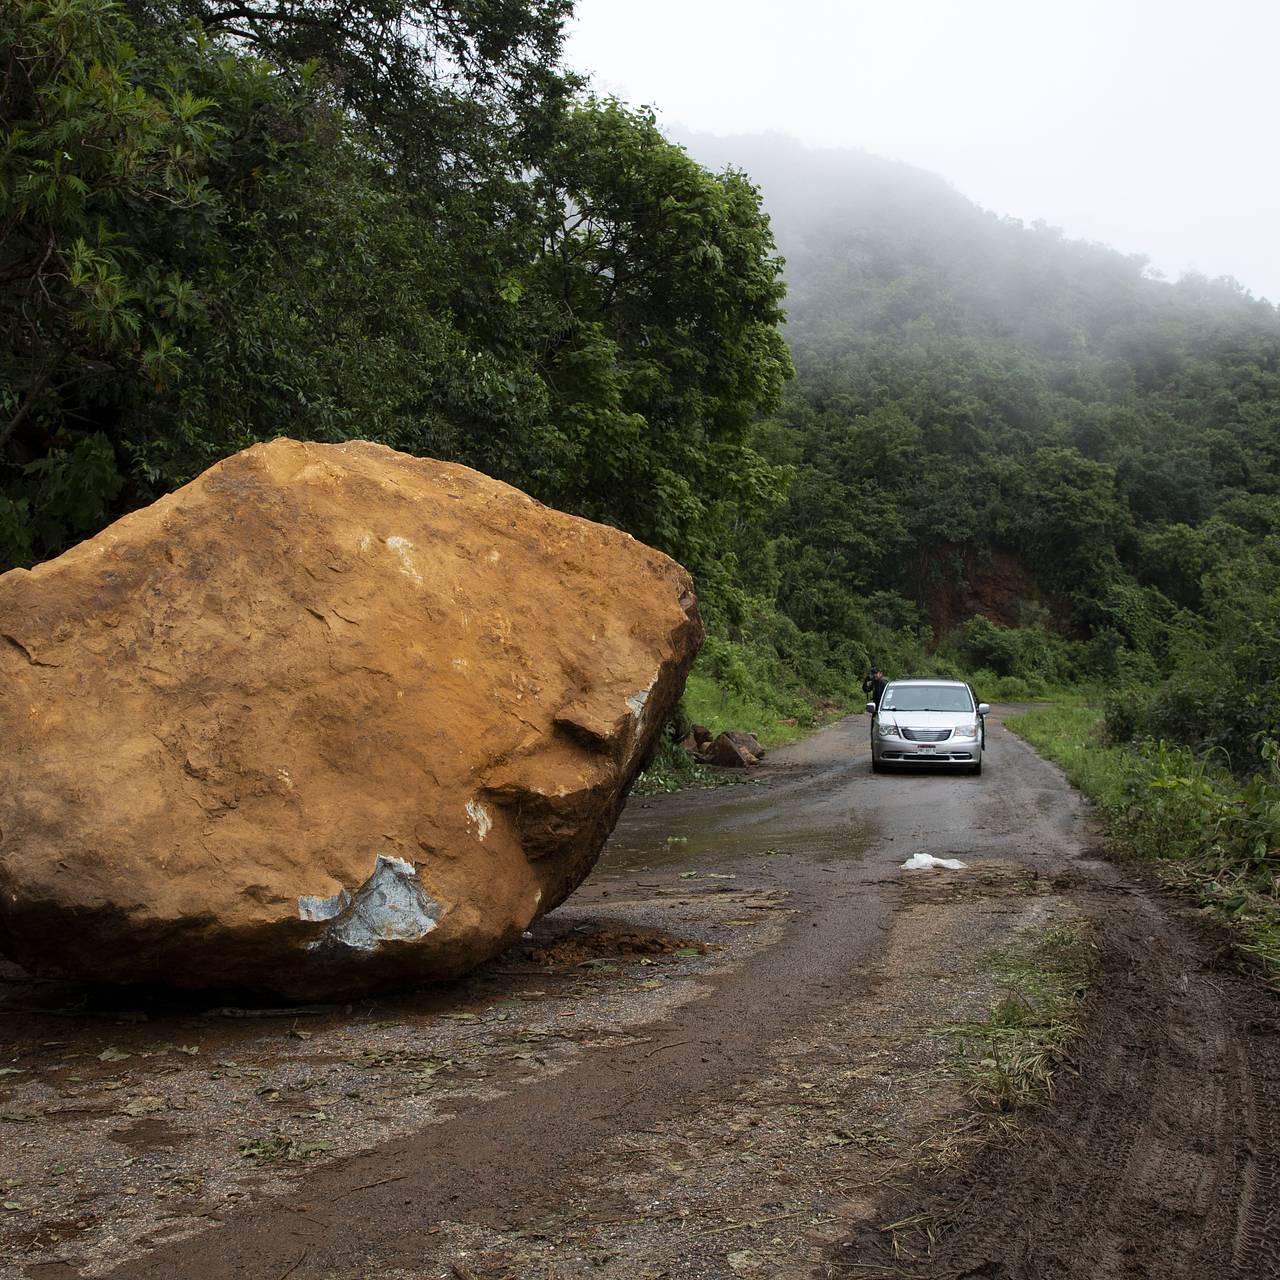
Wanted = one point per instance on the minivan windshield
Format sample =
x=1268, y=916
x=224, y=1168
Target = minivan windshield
x=926, y=697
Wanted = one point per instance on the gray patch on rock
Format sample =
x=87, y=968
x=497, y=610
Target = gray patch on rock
x=316, y=908
x=391, y=906
x=637, y=703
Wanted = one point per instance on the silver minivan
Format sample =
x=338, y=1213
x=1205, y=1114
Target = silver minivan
x=928, y=722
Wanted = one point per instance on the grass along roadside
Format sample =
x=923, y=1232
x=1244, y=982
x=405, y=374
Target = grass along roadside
x=673, y=769
x=740, y=686
x=1011, y=1060
x=1014, y=1057
x=1207, y=833
x=774, y=720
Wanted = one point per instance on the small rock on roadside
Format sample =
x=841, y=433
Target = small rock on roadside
x=728, y=753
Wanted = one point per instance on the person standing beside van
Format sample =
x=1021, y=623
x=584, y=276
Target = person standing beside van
x=873, y=685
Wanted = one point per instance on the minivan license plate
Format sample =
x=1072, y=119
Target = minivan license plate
x=924, y=748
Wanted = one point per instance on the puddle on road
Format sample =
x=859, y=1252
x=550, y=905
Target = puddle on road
x=696, y=840
x=711, y=847
x=817, y=810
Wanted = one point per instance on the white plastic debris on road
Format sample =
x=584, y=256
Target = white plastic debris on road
x=923, y=861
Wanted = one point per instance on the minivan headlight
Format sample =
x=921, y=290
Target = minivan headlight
x=887, y=729
x=965, y=731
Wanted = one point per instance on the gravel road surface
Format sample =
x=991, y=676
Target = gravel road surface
x=732, y=1053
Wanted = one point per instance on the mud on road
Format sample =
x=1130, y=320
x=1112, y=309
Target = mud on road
x=730, y=1054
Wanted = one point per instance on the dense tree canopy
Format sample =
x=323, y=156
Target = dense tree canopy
x=228, y=221
x=224, y=220
x=977, y=399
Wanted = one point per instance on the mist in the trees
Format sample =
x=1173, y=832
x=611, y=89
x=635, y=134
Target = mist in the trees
x=1145, y=125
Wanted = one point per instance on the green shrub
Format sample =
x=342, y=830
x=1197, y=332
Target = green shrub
x=1179, y=711
x=1010, y=689
x=674, y=769
x=1123, y=712
x=1210, y=712
x=764, y=674
x=1135, y=667
x=940, y=668
x=1026, y=653
x=1213, y=835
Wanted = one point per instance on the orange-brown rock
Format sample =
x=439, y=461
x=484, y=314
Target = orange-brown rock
x=730, y=752
x=327, y=719
x=747, y=741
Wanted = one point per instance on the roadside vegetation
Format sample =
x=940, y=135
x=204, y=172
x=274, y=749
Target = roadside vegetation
x=674, y=769
x=1209, y=832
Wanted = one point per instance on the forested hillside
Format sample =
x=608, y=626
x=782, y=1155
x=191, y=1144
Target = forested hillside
x=989, y=419
x=1002, y=452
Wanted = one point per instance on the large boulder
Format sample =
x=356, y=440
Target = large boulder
x=327, y=719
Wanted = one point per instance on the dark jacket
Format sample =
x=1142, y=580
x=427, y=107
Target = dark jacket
x=874, y=685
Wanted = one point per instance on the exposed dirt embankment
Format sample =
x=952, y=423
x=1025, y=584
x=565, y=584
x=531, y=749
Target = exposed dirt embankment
x=960, y=584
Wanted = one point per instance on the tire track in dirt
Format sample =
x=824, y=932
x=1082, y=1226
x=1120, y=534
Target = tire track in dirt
x=1257, y=1243
x=1160, y=1158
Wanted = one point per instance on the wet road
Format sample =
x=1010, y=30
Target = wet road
x=819, y=800
x=1165, y=1142
x=817, y=825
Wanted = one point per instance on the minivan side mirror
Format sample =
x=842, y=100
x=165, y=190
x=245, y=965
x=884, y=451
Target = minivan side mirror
x=871, y=708
x=983, y=708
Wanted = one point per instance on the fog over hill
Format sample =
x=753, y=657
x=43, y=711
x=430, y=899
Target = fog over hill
x=834, y=208
x=1144, y=125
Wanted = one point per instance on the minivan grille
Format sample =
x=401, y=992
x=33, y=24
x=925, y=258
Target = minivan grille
x=926, y=735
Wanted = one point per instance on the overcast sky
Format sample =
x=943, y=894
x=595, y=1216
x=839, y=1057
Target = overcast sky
x=1151, y=126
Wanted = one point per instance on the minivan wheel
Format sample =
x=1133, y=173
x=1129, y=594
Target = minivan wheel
x=977, y=768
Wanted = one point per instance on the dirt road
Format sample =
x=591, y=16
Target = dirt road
x=733, y=1053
